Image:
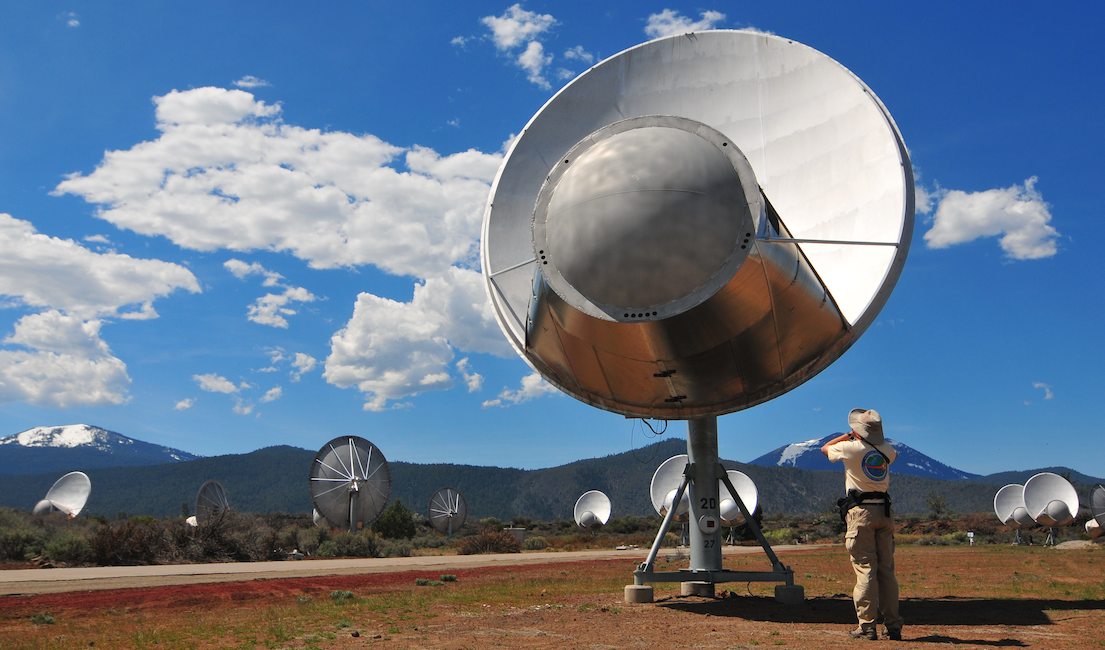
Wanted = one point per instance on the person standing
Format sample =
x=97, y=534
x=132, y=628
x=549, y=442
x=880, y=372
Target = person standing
x=866, y=510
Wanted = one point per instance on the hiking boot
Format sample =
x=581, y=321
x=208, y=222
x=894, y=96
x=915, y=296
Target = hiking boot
x=894, y=635
x=868, y=633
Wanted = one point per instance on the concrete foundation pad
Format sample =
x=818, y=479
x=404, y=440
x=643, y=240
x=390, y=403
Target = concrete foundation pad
x=638, y=594
x=703, y=589
x=790, y=594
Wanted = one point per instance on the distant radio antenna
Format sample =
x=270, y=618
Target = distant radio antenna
x=350, y=482
x=448, y=510
x=69, y=494
x=731, y=513
x=592, y=510
x=1010, y=509
x=211, y=501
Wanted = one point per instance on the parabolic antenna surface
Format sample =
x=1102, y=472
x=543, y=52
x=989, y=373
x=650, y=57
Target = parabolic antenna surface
x=350, y=482
x=192, y=521
x=211, y=501
x=665, y=482
x=1008, y=503
x=69, y=493
x=1050, y=499
x=448, y=510
x=43, y=507
x=698, y=224
x=592, y=509
x=1097, y=505
x=746, y=490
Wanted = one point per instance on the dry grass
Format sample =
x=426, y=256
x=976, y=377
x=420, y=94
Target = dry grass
x=968, y=596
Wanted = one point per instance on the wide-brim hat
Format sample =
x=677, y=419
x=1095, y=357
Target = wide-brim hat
x=867, y=424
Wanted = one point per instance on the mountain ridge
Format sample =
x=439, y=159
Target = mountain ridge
x=807, y=455
x=46, y=449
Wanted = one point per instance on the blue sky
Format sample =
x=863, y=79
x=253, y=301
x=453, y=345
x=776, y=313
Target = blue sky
x=225, y=226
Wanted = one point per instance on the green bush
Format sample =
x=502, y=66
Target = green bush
x=535, y=543
x=395, y=548
x=130, y=542
x=397, y=522
x=489, y=540
x=780, y=536
x=20, y=544
x=448, y=577
x=360, y=544
x=70, y=548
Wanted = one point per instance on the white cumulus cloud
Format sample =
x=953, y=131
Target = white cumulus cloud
x=47, y=272
x=59, y=360
x=184, y=404
x=473, y=380
x=227, y=173
x=391, y=350
x=302, y=363
x=272, y=394
x=670, y=22
x=533, y=386
x=1017, y=215
x=518, y=32
x=214, y=383
x=1046, y=388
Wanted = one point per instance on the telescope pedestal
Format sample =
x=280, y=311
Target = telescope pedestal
x=700, y=479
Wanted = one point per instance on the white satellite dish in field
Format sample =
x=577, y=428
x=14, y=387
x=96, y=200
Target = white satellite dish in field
x=350, y=482
x=665, y=483
x=592, y=510
x=1050, y=499
x=192, y=521
x=693, y=226
x=1097, y=505
x=69, y=494
x=1010, y=509
x=211, y=501
x=746, y=489
x=448, y=510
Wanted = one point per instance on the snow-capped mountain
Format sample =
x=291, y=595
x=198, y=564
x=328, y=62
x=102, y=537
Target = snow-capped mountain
x=807, y=455
x=78, y=447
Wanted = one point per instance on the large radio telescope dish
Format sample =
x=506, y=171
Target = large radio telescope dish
x=211, y=501
x=448, y=510
x=1050, y=499
x=665, y=483
x=68, y=494
x=592, y=510
x=350, y=482
x=698, y=224
x=746, y=490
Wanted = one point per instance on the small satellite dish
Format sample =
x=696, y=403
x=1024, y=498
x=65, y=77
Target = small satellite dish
x=1050, y=499
x=68, y=494
x=448, y=510
x=698, y=224
x=665, y=482
x=1094, y=529
x=350, y=482
x=746, y=490
x=211, y=501
x=592, y=510
x=192, y=521
x=316, y=517
x=1007, y=502
x=1097, y=505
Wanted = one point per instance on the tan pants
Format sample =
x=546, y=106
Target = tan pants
x=870, y=542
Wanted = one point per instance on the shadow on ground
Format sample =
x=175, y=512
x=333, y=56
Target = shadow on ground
x=916, y=611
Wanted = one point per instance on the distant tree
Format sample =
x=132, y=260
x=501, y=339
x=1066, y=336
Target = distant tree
x=396, y=522
x=937, y=506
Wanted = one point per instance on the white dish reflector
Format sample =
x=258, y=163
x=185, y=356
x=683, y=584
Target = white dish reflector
x=70, y=493
x=698, y=224
x=1097, y=505
x=746, y=490
x=665, y=483
x=592, y=509
x=1050, y=499
x=1007, y=500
